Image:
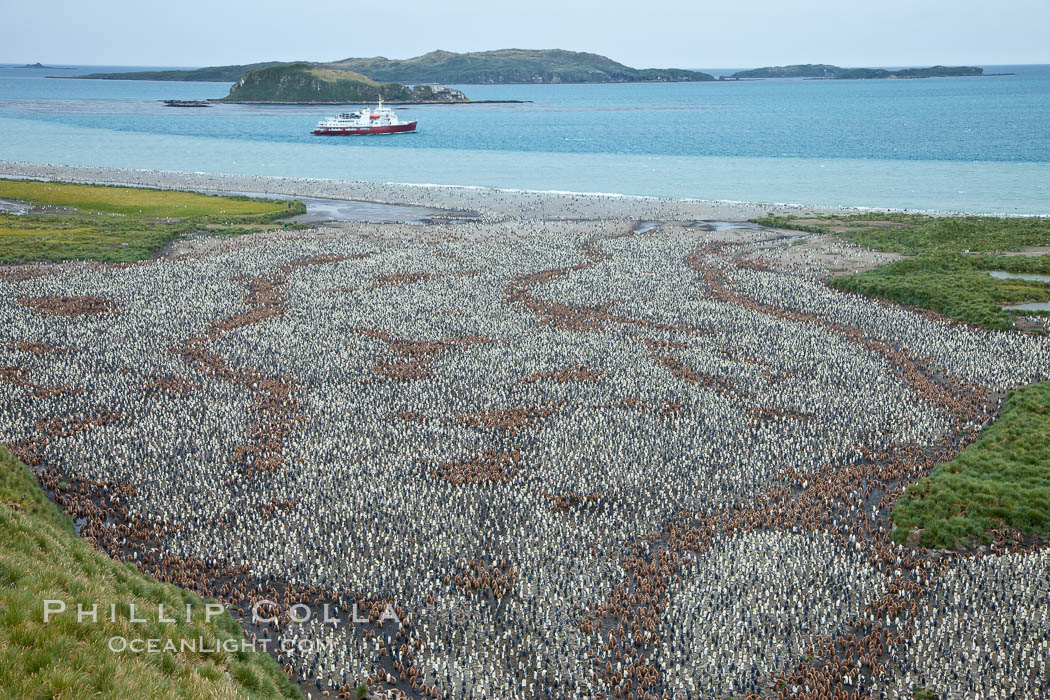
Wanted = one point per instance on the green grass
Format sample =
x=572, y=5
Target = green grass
x=913, y=234
x=795, y=223
x=302, y=82
x=122, y=224
x=502, y=66
x=951, y=258
x=1002, y=478
x=955, y=284
x=919, y=234
x=133, y=201
x=42, y=559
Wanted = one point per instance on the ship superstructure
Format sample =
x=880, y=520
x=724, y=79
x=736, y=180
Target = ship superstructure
x=381, y=120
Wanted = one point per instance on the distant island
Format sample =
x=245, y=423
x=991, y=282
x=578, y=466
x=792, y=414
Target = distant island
x=826, y=71
x=213, y=74
x=186, y=103
x=485, y=67
x=513, y=66
x=303, y=83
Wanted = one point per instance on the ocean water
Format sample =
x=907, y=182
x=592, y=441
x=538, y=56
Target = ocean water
x=969, y=144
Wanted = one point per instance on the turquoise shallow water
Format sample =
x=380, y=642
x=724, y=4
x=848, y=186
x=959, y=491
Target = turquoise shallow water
x=976, y=144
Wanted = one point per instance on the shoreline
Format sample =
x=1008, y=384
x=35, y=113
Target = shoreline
x=223, y=100
x=490, y=202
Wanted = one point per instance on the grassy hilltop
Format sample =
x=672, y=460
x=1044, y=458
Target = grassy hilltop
x=512, y=66
x=445, y=67
x=211, y=74
x=302, y=82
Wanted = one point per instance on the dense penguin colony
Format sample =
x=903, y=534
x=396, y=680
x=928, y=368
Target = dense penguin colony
x=578, y=461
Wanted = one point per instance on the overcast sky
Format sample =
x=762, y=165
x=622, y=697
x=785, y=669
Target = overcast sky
x=642, y=33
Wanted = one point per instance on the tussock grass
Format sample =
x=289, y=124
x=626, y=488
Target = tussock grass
x=913, y=234
x=133, y=201
x=41, y=558
x=920, y=234
x=1002, y=478
x=122, y=224
x=955, y=284
x=952, y=258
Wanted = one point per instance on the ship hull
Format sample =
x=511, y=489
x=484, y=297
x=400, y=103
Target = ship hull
x=366, y=130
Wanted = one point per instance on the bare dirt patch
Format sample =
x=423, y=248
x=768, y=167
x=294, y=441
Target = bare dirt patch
x=1029, y=251
x=827, y=255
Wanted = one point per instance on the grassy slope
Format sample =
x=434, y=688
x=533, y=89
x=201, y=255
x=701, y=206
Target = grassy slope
x=211, y=74
x=1003, y=477
x=941, y=276
x=41, y=558
x=121, y=224
x=304, y=83
x=505, y=65
x=509, y=66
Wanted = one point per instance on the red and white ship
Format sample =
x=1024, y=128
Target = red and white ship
x=381, y=121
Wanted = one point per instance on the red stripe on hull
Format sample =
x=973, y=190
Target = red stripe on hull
x=367, y=130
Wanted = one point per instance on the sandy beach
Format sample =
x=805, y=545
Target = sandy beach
x=489, y=202
x=492, y=214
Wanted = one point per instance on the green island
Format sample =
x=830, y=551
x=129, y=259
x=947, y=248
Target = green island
x=512, y=66
x=210, y=74
x=42, y=558
x=66, y=221
x=824, y=70
x=1003, y=478
x=301, y=83
x=446, y=67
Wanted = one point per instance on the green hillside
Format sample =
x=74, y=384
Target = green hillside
x=511, y=66
x=213, y=74
x=445, y=67
x=42, y=559
x=302, y=82
x=824, y=70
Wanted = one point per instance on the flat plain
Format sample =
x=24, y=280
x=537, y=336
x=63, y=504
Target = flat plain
x=577, y=456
